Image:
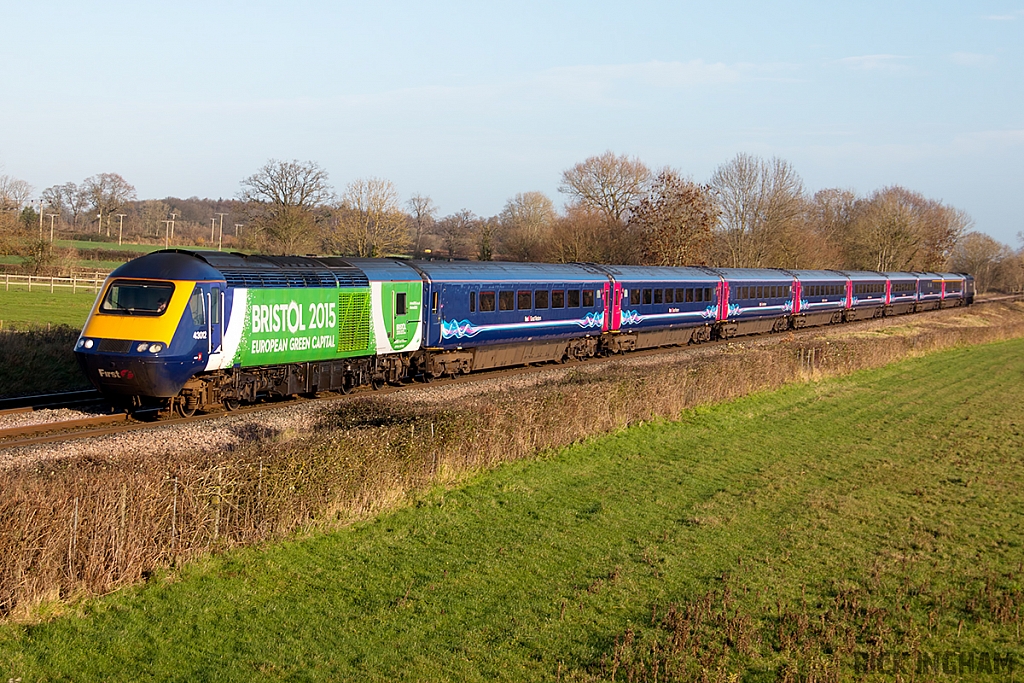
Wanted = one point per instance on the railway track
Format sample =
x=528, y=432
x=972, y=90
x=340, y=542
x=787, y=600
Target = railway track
x=63, y=399
x=84, y=428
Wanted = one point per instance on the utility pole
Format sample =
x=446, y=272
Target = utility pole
x=213, y=230
x=40, y=219
x=120, y=227
x=167, y=225
x=221, y=240
x=173, y=216
x=51, y=216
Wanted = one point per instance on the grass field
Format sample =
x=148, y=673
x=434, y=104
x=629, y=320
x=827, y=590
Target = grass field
x=20, y=308
x=792, y=535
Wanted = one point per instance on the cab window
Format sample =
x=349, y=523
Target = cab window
x=137, y=297
x=197, y=308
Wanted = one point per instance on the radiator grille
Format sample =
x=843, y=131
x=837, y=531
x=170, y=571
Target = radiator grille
x=353, y=321
x=114, y=346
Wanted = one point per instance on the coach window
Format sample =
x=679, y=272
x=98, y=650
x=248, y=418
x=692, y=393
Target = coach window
x=506, y=300
x=540, y=298
x=486, y=301
x=658, y=296
x=472, y=302
x=668, y=296
x=634, y=297
x=689, y=295
x=588, y=298
x=558, y=299
x=195, y=305
x=647, y=296
x=708, y=294
x=524, y=300
x=680, y=295
x=698, y=294
x=215, y=306
x=399, y=303
x=574, y=298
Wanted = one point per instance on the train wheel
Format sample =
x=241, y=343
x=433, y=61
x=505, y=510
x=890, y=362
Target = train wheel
x=231, y=404
x=184, y=411
x=377, y=383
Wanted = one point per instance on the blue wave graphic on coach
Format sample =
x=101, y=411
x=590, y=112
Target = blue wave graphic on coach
x=591, y=320
x=710, y=313
x=630, y=318
x=457, y=329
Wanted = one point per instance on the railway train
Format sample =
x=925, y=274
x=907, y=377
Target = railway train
x=193, y=330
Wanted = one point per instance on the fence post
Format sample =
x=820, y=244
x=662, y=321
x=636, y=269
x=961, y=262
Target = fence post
x=30, y=283
x=51, y=284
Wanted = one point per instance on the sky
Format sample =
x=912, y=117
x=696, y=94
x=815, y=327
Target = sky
x=472, y=102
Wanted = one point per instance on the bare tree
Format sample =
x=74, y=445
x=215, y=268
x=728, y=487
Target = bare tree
x=896, y=229
x=759, y=200
x=609, y=184
x=672, y=224
x=13, y=193
x=581, y=235
x=818, y=242
x=984, y=258
x=886, y=234
x=285, y=204
x=526, y=223
x=422, y=213
x=486, y=234
x=455, y=230
x=108, y=193
x=370, y=222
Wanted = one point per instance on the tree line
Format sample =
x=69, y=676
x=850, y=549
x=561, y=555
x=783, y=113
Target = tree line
x=752, y=212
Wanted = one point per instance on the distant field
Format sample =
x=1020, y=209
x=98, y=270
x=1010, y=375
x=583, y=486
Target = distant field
x=86, y=245
x=792, y=535
x=20, y=309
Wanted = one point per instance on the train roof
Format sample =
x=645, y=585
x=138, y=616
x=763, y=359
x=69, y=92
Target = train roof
x=505, y=271
x=168, y=265
x=660, y=273
x=758, y=274
x=863, y=275
x=242, y=270
x=385, y=270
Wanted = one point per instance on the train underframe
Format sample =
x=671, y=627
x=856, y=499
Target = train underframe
x=231, y=388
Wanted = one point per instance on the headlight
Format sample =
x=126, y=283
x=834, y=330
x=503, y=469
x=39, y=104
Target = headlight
x=87, y=343
x=156, y=348
x=142, y=347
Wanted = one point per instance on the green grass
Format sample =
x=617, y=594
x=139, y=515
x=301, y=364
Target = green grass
x=20, y=308
x=86, y=245
x=775, y=535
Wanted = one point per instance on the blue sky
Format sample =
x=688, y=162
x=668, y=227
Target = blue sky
x=472, y=102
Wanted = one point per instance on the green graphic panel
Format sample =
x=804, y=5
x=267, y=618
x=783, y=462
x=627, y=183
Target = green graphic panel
x=400, y=306
x=354, y=316
x=298, y=325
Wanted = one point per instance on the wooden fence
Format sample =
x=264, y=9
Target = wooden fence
x=89, y=282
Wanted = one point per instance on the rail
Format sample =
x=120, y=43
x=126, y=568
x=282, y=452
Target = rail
x=74, y=283
x=63, y=399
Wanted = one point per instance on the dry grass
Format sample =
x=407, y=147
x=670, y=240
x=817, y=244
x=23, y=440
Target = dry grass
x=39, y=360
x=91, y=525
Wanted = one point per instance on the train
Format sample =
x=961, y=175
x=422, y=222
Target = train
x=190, y=330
